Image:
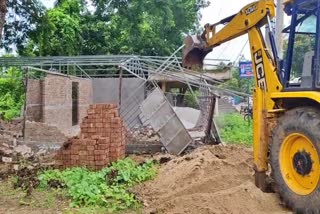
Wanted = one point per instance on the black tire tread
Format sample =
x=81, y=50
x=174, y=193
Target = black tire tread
x=305, y=120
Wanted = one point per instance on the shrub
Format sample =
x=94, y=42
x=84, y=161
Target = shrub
x=191, y=100
x=11, y=94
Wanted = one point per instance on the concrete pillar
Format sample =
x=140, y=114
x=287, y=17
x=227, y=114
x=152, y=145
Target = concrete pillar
x=164, y=86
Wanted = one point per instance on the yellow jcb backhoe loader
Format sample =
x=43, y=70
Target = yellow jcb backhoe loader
x=286, y=114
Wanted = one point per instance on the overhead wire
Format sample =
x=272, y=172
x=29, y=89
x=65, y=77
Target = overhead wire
x=241, y=51
x=226, y=45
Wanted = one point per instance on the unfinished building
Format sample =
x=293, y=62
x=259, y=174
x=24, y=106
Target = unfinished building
x=62, y=96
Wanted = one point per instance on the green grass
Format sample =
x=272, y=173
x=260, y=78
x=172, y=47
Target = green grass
x=235, y=130
x=39, y=200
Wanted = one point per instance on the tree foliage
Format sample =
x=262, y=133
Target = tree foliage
x=11, y=94
x=302, y=44
x=152, y=27
x=21, y=21
x=72, y=27
x=3, y=12
x=244, y=85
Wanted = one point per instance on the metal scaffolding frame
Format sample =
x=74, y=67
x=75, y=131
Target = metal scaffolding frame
x=100, y=65
x=143, y=67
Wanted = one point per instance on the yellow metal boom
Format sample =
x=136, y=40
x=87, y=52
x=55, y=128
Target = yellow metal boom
x=248, y=21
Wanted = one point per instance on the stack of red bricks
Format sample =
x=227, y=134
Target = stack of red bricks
x=102, y=140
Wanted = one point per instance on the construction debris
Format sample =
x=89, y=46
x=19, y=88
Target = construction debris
x=15, y=153
x=188, y=116
x=41, y=133
x=6, y=160
x=10, y=153
x=157, y=111
x=143, y=140
x=14, y=127
x=143, y=134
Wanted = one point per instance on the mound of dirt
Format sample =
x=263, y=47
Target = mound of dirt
x=213, y=179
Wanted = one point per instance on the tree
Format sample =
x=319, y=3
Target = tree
x=302, y=44
x=152, y=27
x=59, y=34
x=96, y=36
x=22, y=19
x=244, y=85
x=3, y=12
x=11, y=93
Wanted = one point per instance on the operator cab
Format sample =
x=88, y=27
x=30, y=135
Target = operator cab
x=300, y=68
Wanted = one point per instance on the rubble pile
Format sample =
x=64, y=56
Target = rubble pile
x=41, y=133
x=14, y=127
x=15, y=157
x=143, y=140
x=9, y=150
x=144, y=134
x=10, y=131
x=102, y=140
x=14, y=151
x=10, y=153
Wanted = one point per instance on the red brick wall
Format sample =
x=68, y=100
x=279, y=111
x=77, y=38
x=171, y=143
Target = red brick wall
x=50, y=100
x=102, y=140
x=34, y=100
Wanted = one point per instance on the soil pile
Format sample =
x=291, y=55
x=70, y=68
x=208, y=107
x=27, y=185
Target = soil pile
x=213, y=179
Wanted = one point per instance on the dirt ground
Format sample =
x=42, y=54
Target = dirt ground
x=211, y=180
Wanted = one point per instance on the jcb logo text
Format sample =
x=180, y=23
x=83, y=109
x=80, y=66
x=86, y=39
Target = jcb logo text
x=260, y=72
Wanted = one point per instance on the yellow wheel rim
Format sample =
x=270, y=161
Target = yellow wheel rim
x=299, y=164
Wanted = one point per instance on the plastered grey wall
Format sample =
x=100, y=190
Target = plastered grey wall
x=106, y=90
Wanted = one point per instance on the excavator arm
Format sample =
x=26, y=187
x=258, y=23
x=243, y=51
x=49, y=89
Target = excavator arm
x=248, y=21
x=254, y=15
x=286, y=114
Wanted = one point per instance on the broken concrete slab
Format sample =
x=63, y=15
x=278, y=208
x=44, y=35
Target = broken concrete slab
x=23, y=150
x=6, y=160
x=188, y=116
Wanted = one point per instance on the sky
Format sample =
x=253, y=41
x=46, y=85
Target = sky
x=48, y=3
x=218, y=10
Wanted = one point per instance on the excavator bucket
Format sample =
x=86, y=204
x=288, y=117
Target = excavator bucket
x=194, y=52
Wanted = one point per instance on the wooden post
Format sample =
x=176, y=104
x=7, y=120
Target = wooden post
x=25, y=103
x=164, y=86
x=211, y=130
x=120, y=86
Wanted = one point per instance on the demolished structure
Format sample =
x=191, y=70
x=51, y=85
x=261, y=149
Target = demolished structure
x=60, y=97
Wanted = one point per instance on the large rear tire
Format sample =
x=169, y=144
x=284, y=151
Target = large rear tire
x=294, y=158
